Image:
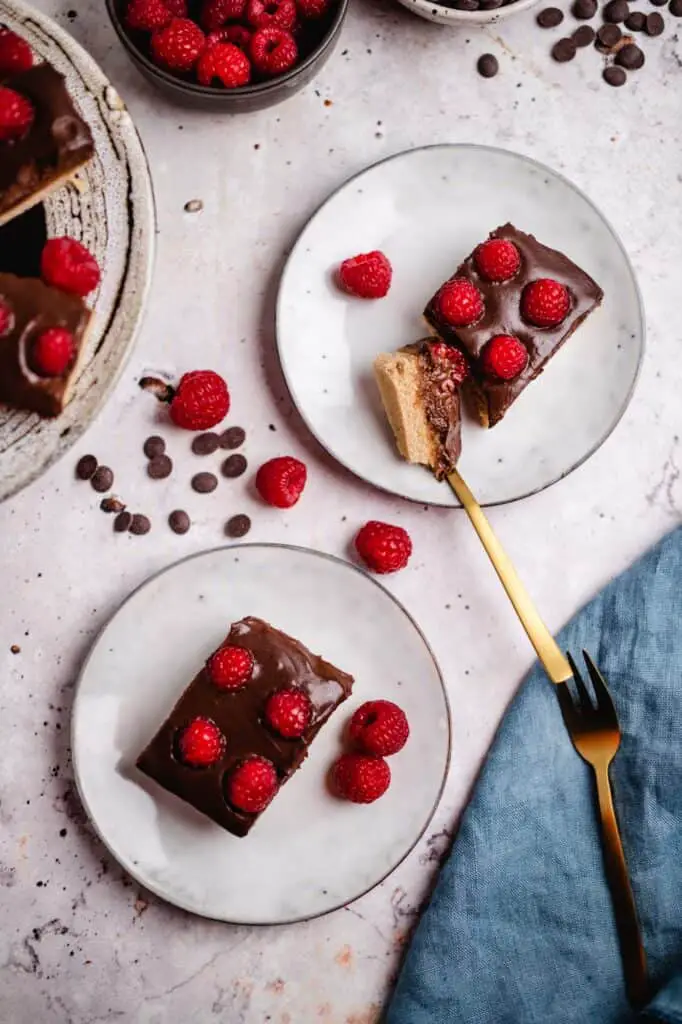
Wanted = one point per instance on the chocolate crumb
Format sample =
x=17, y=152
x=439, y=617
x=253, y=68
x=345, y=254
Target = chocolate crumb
x=102, y=479
x=584, y=36
x=194, y=206
x=654, y=24
x=159, y=388
x=112, y=505
x=179, y=521
x=15, y=649
x=564, y=50
x=85, y=467
x=487, y=65
x=205, y=444
x=238, y=526
x=550, y=17
x=615, y=76
x=233, y=437
x=122, y=522
x=140, y=525
x=159, y=467
x=234, y=466
x=204, y=483
x=154, y=446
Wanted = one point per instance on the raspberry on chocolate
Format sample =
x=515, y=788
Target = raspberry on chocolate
x=379, y=727
x=200, y=744
x=367, y=276
x=382, y=547
x=69, y=266
x=15, y=53
x=288, y=711
x=224, y=64
x=52, y=352
x=504, y=357
x=251, y=785
x=6, y=318
x=545, y=302
x=200, y=401
x=277, y=13
x=498, y=259
x=273, y=50
x=178, y=45
x=16, y=115
x=280, y=482
x=460, y=303
x=217, y=13
x=361, y=778
x=231, y=667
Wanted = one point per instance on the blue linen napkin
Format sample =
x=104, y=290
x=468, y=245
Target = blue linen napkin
x=520, y=928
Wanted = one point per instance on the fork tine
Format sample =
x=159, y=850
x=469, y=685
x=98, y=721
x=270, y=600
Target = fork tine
x=567, y=706
x=584, y=700
x=604, y=701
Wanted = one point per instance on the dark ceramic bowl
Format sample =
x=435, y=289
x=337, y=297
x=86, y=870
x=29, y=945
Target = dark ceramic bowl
x=316, y=46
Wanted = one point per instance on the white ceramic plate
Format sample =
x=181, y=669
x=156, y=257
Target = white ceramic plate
x=112, y=213
x=427, y=209
x=303, y=857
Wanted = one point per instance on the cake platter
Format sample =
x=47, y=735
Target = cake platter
x=110, y=208
x=310, y=852
x=426, y=209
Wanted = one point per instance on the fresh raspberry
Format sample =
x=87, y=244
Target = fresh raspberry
x=460, y=303
x=230, y=667
x=178, y=45
x=280, y=481
x=273, y=50
x=278, y=13
x=498, y=259
x=16, y=115
x=451, y=358
x=201, y=400
x=69, y=266
x=178, y=8
x=288, y=712
x=368, y=276
x=15, y=53
x=201, y=743
x=252, y=784
x=147, y=15
x=235, y=34
x=223, y=64
x=361, y=778
x=216, y=13
x=382, y=547
x=312, y=8
x=504, y=357
x=379, y=727
x=6, y=318
x=52, y=352
x=545, y=303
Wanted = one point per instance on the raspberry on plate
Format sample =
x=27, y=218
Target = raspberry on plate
x=361, y=778
x=288, y=711
x=545, y=303
x=367, y=276
x=235, y=34
x=217, y=13
x=497, y=259
x=252, y=784
x=278, y=13
x=15, y=53
x=200, y=744
x=178, y=45
x=273, y=50
x=504, y=357
x=312, y=8
x=460, y=303
x=452, y=358
x=280, y=481
x=230, y=667
x=224, y=64
x=147, y=15
x=69, y=266
x=382, y=547
x=16, y=115
x=200, y=401
x=52, y=352
x=379, y=727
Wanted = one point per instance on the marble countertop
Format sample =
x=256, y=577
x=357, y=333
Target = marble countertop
x=80, y=944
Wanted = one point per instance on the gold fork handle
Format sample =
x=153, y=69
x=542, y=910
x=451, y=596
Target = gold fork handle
x=546, y=647
x=631, y=947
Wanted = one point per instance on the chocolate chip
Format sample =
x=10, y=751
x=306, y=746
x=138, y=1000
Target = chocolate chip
x=630, y=57
x=205, y=444
x=122, y=522
x=615, y=76
x=103, y=479
x=658, y=3
x=111, y=505
x=564, y=50
x=654, y=24
x=608, y=36
x=85, y=467
x=179, y=521
x=159, y=467
x=583, y=10
x=234, y=466
x=140, y=525
x=233, y=437
x=550, y=17
x=636, y=21
x=204, y=483
x=238, y=526
x=584, y=36
x=154, y=446
x=616, y=11
x=487, y=65
x=676, y=8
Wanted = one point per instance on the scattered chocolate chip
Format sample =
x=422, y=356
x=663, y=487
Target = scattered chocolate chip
x=238, y=526
x=487, y=65
x=205, y=444
x=140, y=525
x=616, y=11
x=658, y=3
x=194, y=206
x=122, y=522
x=102, y=479
x=654, y=24
x=615, y=76
x=154, y=446
x=204, y=483
x=675, y=8
x=608, y=36
x=564, y=50
x=584, y=36
x=85, y=467
x=636, y=21
x=111, y=505
x=179, y=521
x=233, y=437
x=164, y=392
x=583, y=10
x=234, y=466
x=630, y=57
x=159, y=467
x=550, y=17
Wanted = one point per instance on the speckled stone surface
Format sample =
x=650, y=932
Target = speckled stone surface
x=79, y=944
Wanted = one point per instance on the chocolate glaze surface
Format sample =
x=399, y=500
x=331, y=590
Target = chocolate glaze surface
x=440, y=395
x=59, y=140
x=35, y=307
x=279, y=661
x=502, y=315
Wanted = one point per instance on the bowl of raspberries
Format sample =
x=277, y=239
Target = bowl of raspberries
x=236, y=55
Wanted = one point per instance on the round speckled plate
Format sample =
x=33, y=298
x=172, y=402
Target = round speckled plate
x=309, y=853
x=112, y=212
x=427, y=209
